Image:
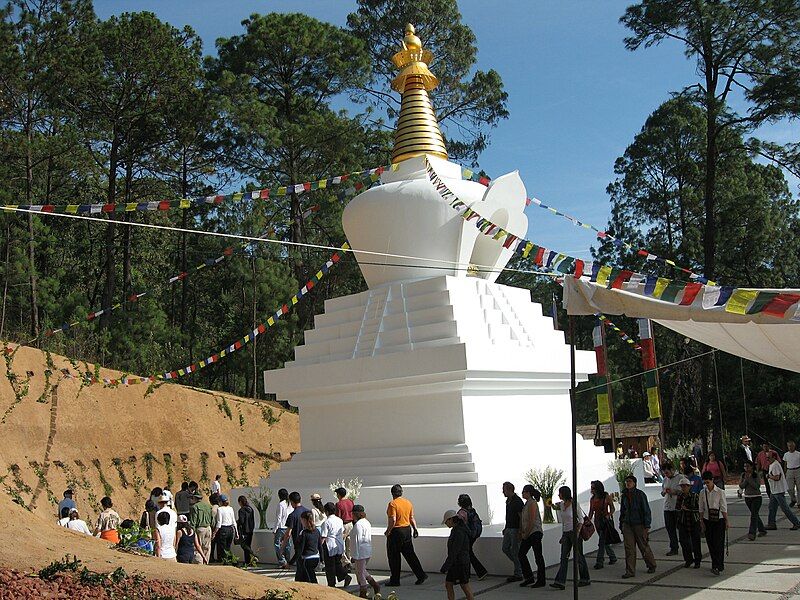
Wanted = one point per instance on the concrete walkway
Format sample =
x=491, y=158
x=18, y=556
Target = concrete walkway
x=767, y=568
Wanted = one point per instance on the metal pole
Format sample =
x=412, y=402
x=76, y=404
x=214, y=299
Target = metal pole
x=660, y=404
x=744, y=397
x=572, y=384
x=608, y=391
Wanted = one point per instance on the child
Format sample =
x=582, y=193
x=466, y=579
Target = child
x=361, y=547
x=457, y=565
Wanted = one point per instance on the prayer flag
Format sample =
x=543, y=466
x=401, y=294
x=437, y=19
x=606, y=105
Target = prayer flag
x=739, y=301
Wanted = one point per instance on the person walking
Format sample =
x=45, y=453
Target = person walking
x=634, y=521
x=282, y=510
x=187, y=544
x=361, y=547
x=202, y=521
x=714, y=521
x=530, y=535
x=763, y=462
x=308, y=545
x=744, y=453
x=456, y=566
x=165, y=537
x=791, y=460
x=567, y=530
x=108, y=522
x=317, y=510
x=216, y=485
x=344, y=510
x=400, y=530
x=246, y=525
x=687, y=507
x=475, y=528
x=148, y=515
x=750, y=486
x=601, y=509
x=216, y=555
x=670, y=488
x=777, y=480
x=294, y=524
x=183, y=500
x=717, y=468
x=333, y=547
x=225, y=528
x=514, y=505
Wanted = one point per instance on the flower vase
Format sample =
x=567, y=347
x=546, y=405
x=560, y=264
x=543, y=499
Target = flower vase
x=548, y=517
x=262, y=519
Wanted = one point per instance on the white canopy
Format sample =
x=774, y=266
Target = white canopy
x=759, y=337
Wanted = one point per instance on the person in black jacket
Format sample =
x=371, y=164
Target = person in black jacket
x=457, y=566
x=246, y=523
x=308, y=549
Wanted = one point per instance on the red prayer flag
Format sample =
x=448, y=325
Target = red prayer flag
x=778, y=306
x=539, y=256
x=579, y=264
x=284, y=309
x=108, y=208
x=690, y=293
x=163, y=205
x=621, y=278
x=264, y=193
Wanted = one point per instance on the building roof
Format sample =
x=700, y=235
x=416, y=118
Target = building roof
x=623, y=429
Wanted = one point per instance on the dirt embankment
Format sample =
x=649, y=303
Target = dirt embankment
x=122, y=442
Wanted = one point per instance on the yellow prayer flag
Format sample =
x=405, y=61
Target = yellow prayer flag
x=602, y=275
x=282, y=191
x=395, y=166
x=320, y=274
x=223, y=353
x=740, y=300
x=603, y=409
x=323, y=183
x=247, y=339
x=271, y=321
x=130, y=207
x=294, y=300
x=467, y=174
x=185, y=203
x=71, y=209
x=527, y=250
x=653, y=404
x=661, y=285
x=237, y=196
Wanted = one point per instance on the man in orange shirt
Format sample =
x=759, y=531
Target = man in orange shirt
x=399, y=537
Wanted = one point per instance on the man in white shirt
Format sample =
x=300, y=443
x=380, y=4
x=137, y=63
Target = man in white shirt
x=282, y=510
x=216, y=486
x=714, y=521
x=332, y=530
x=671, y=490
x=777, y=482
x=163, y=507
x=792, y=461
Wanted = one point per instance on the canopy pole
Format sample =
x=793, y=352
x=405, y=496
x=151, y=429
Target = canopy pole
x=572, y=395
x=608, y=391
x=744, y=396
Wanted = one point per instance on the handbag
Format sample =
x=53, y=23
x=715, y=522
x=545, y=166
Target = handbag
x=587, y=529
x=612, y=535
x=713, y=513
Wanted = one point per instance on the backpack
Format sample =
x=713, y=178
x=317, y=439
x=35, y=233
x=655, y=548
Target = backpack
x=474, y=524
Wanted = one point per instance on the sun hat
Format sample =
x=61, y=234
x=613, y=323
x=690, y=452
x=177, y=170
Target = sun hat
x=684, y=481
x=316, y=497
x=644, y=454
x=164, y=498
x=746, y=438
x=182, y=519
x=223, y=498
x=448, y=515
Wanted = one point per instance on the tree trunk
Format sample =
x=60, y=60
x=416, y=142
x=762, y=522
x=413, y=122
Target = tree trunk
x=109, y=267
x=710, y=228
x=5, y=278
x=31, y=232
x=184, y=223
x=255, y=324
x=127, y=277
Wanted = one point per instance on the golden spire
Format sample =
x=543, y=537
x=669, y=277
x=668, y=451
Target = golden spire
x=417, y=131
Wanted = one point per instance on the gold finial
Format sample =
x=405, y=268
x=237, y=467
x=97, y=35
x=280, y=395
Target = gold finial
x=417, y=130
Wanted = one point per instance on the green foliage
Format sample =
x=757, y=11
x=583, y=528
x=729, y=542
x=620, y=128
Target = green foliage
x=204, y=469
x=148, y=460
x=278, y=595
x=621, y=468
x=545, y=480
x=168, y=469
x=117, y=462
x=65, y=565
x=108, y=490
x=268, y=415
x=131, y=536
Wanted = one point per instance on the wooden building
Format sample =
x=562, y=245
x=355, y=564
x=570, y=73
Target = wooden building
x=642, y=435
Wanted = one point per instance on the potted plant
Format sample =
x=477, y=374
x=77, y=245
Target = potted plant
x=621, y=468
x=261, y=499
x=547, y=481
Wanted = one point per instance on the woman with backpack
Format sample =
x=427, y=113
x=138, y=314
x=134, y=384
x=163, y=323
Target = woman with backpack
x=474, y=527
x=531, y=534
x=601, y=507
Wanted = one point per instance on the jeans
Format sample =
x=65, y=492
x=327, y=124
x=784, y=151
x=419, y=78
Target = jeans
x=566, y=550
x=602, y=546
x=534, y=541
x=224, y=541
x=511, y=549
x=715, y=538
x=779, y=499
x=480, y=570
x=671, y=525
x=334, y=569
x=754, y=506
x=283, y=557
x=306, y=569
x=400, y=542
x=690, y=543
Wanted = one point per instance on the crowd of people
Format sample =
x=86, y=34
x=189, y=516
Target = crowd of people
x=335, y=537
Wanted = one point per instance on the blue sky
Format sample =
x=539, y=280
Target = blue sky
x=576, y=95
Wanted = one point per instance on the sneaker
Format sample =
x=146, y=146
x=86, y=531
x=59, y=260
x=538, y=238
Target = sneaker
x=771, y=527
x=687, y=564
x=513, y=578
x=628, y=575
x=558, y=586
x=527, y=582
x=484, y=576
x=714, y=571
x=751, y=536
x=421, y=580
x=612, y=561
x=584, y=583
x=762, y=533
x=347, y=580
x=672, y=553
x=794, y=528
x=792, y=504
x=391, y=583
x=651, y=570
x=540, y=583
x=598, y=566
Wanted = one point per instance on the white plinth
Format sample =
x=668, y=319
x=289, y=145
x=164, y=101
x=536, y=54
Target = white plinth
x=446, y=385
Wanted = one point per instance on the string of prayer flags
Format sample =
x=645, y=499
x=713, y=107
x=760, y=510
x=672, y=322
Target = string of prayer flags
x=649, y=365
x=624, y=336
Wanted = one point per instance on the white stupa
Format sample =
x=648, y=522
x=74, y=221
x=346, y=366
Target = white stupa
x=436, y=377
